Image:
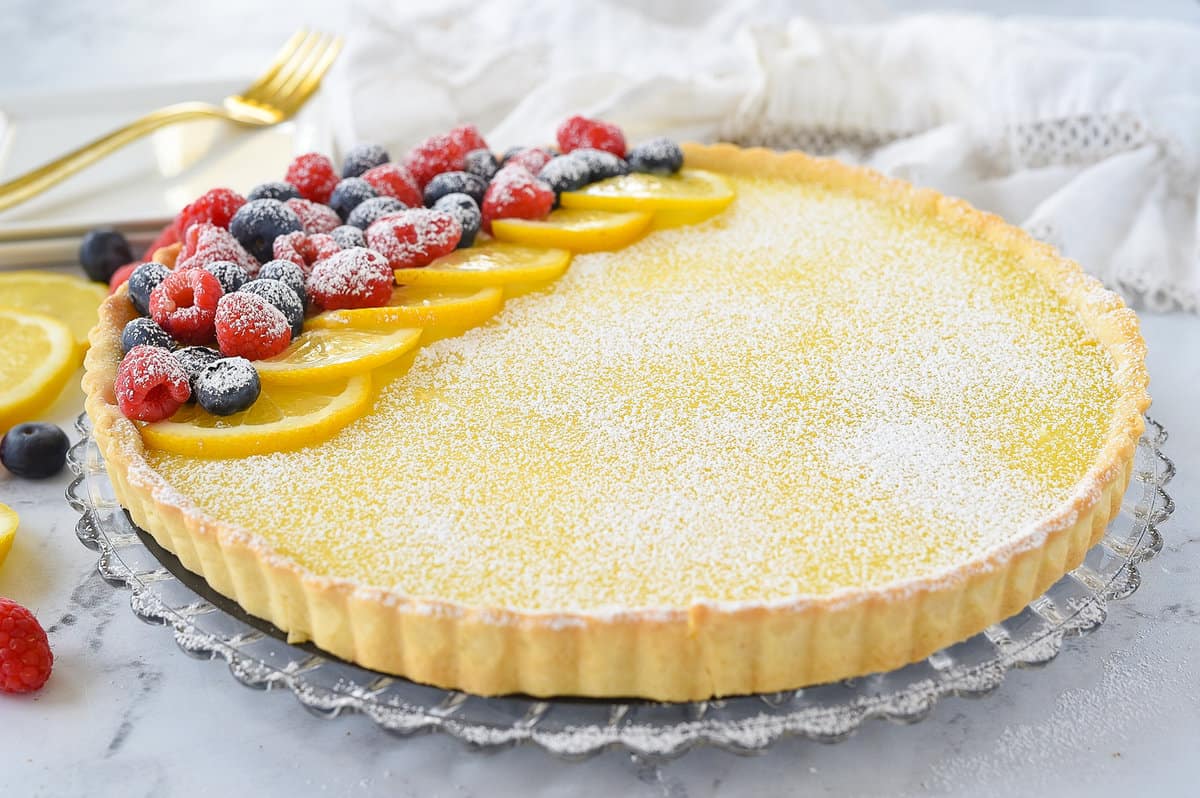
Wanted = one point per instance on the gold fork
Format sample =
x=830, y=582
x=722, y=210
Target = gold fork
x=278, y=94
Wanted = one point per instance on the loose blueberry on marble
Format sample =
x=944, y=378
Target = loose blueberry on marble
x=463, y=208
x=370, y=210
x=34, y=450
x=657, y=156
x=362, y=157
x=145, y=278
x=473, y=186
x=102, y=253
x=258, y=223
x=283, y=297
x=227, y=386
x=145, y=331
x=276, y=190
x=349, y=194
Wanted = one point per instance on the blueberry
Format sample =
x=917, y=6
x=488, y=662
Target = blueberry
x=277, y=190
x=194, y=359
x=228, y=274
x=349, y=194
x=35, y=450
x=466, y=211
x=601, y=164
x=375, y=208
x=259, y=222
x=481, y=163
x=362, y=157
x=227, y=386
x=102, y=253
x=145, y=331
x=290, y=274
x=281, y=295
x=473, y=186
x=566, y=173
x=510, y=152
x=142, y=281
x=661, y=156
x=348, y=236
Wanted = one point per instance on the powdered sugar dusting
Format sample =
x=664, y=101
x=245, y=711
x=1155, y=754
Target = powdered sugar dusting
x=809, y=393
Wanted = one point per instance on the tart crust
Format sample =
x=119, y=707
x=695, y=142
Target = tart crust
x=707, y=649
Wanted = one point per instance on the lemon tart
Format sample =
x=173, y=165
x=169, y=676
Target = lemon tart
x=834, y=426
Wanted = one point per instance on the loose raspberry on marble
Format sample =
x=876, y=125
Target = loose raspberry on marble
x=353, y=278
x=151, y=384
x=167, y=236
x=313, y=176
x=305, y=250
x=25, y=656
x=315, y=217
x=393, y=180
x=249, y=326
x=414, y=237
x=532, y=158
x=578, y=131
x=216, y=206
x=206, y=243
x=514, y=193
x=184, y=304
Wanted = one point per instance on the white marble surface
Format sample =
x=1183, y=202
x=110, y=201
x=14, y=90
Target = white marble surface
x=128, y=714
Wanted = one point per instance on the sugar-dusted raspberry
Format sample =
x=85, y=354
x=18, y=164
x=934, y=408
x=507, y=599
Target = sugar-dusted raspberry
x=515, y=194
x=25, y=656
x=167, y=236
x=184, y=304
x=353, y=278
x=579, y=131
x=414, y=237
x=315, y=217
x=251, y=327
x=467, y=138
x=305, y=250
x=313, y=176
x=206, y=243
x=446, y=152
x=532, y=158
x=216, y=206
x=393, y=180
x=121, y=276
x=151, y=384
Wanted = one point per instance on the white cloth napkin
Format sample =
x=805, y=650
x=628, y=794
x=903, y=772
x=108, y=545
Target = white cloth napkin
x=1085, y=132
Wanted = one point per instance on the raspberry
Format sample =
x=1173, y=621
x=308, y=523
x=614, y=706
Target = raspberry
x=353, y=278
x=414, y=237
x=515, y=194
x=532, y=158
x=184, y=305
x=467, y=138
x=25, y=655
x=121, y=276
x=168, y=236
x=251, y=327
x=437, y=154
x=206, y=243
x=579, y=131
x=151, y=384
x=313, y=176
x=305, y=250
x=393, y=180
x=216, y=206
x=315, y=217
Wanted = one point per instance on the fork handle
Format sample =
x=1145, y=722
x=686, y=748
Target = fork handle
x=30, y=184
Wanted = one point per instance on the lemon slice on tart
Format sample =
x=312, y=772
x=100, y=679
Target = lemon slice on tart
x=38, y=354
x=418, y=306
x=325, y=354
x=71, y=300
x=576, y=229
x=694, y=190
x=490, y=264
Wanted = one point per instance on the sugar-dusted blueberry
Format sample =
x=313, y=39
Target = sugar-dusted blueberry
x=601, y=164
x=283, y=297
x=230, y=275
x=348, y=236
x=194, y=359
x=102, y=252
x=349, y=194
x=370, y=210
x=466, y=210
x=145, y=278
x=258, y=223
x=362, y=157
x=481, y=163
x=227, y=386
x=276, y=190
x=144, y=331
x=659, y=156
x=473, y=186
x=34, y=450
x=566, y=173
x=290, y=274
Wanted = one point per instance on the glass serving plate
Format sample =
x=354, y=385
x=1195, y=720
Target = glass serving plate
x=209, y=626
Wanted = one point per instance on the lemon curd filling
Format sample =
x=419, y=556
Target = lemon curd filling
x=810, y=391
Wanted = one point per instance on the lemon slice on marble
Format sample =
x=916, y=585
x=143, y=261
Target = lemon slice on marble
x=38, y=354
x=69, y=299
x=689, y=190
x=8, y=530
x=490, y=264
x=328, y=354
x=576, y=229
x=283, y=417
x=418, y=306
